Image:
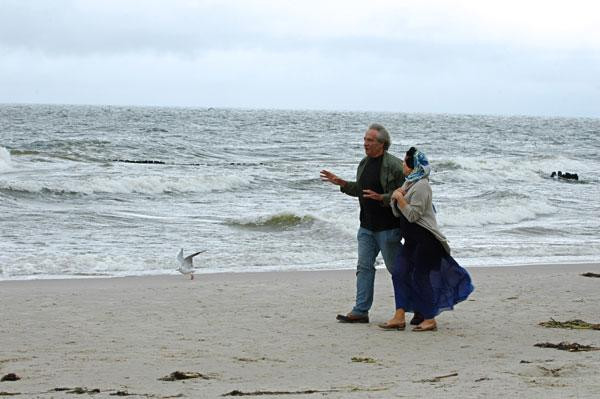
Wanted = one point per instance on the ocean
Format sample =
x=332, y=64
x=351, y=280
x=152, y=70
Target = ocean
x=118, y=191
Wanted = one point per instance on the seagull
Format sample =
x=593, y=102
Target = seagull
x=187, y=265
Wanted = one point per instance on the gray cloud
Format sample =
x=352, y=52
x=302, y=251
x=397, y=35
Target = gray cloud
x=68, y=27
x=224, y=53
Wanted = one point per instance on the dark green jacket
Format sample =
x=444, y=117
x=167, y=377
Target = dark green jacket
x=390, y=176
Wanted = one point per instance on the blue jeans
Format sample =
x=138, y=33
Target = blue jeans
x=370, y=243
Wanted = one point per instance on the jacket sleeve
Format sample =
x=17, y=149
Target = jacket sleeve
x=417, y=205
x=351, y=188
x=398, y=181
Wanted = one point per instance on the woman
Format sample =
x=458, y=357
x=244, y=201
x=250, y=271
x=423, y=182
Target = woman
x=427, y=280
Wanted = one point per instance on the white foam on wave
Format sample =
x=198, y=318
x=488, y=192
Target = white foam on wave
x=132, y=184
x=484, y=171
x=5, y=160
x=84, y=265
x=503, y=170
x=506, y=211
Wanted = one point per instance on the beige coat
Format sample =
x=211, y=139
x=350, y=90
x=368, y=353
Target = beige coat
x=420, y=209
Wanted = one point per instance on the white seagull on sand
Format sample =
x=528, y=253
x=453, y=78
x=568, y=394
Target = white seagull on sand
x=187, y=264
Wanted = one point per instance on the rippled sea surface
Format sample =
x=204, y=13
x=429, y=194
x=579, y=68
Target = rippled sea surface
x=244, y=185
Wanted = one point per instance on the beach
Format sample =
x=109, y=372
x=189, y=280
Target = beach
x=274, y=334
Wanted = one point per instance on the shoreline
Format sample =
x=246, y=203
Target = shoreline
x=201, y=272
x=275, y=333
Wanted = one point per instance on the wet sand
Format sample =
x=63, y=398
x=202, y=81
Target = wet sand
x=275, y=334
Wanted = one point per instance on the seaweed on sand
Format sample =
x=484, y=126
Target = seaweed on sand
x=576, y=324
x=590, y=274
x=566, y=346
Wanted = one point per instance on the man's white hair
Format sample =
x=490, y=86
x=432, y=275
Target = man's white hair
x=383, y=136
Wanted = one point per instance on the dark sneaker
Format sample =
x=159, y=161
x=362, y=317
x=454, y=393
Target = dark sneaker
x=352, y=318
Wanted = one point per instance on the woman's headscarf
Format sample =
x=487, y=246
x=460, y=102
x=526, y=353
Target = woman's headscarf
x=421, y=167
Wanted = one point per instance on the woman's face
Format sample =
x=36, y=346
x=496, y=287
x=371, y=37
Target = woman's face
x=405, y=169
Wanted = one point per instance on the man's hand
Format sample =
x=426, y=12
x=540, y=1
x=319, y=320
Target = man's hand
x=330, y=177
x=370, y=194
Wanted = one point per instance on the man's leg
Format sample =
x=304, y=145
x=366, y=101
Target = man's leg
x=389, y=243
x=368, y=249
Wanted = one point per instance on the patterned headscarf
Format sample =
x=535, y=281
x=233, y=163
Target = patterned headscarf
x=421, y=168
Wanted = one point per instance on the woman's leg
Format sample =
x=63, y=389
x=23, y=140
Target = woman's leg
x=400, y=276
x=427, y=258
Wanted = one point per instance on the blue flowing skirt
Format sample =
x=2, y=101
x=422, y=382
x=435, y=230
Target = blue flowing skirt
x=426, y=279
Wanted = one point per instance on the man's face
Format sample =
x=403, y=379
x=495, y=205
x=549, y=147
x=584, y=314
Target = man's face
x=373, y=148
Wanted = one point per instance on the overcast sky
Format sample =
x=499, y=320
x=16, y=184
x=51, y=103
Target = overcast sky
x=467, y=56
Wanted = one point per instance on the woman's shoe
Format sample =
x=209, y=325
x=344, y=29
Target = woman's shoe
x=432, y=327
x=386, y=326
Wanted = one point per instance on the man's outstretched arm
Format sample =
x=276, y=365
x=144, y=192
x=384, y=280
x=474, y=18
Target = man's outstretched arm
x=347, y=187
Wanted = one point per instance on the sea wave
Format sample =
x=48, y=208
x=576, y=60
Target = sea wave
x=85, y=150
x=129, y=185
x=274, y=222
x=444, y=166
x=17, y=152
x=5, y=161
x=82, y=265
x=503, y=212
x=537, y=230
x=507, y=170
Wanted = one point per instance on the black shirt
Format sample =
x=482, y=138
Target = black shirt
x=374, y=215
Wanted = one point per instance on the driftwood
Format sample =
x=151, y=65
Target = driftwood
x=551, y=372
x=237, y=392
x=566, y=346
x=259, y=393
x=183, y=375
x=439, y=378
x=10, y=377
x=572, y=324
x=363, y=360
x=77, y=390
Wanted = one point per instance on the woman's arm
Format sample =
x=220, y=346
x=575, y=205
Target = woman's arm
x=417, y=203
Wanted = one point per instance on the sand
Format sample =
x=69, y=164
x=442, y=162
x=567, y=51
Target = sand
x=276, y=332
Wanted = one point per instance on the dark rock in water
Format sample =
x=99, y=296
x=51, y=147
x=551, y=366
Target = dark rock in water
x=142, y=161
x=566, y=175
x=10, y=377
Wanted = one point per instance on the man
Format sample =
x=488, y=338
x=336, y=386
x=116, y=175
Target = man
x=378, y=175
